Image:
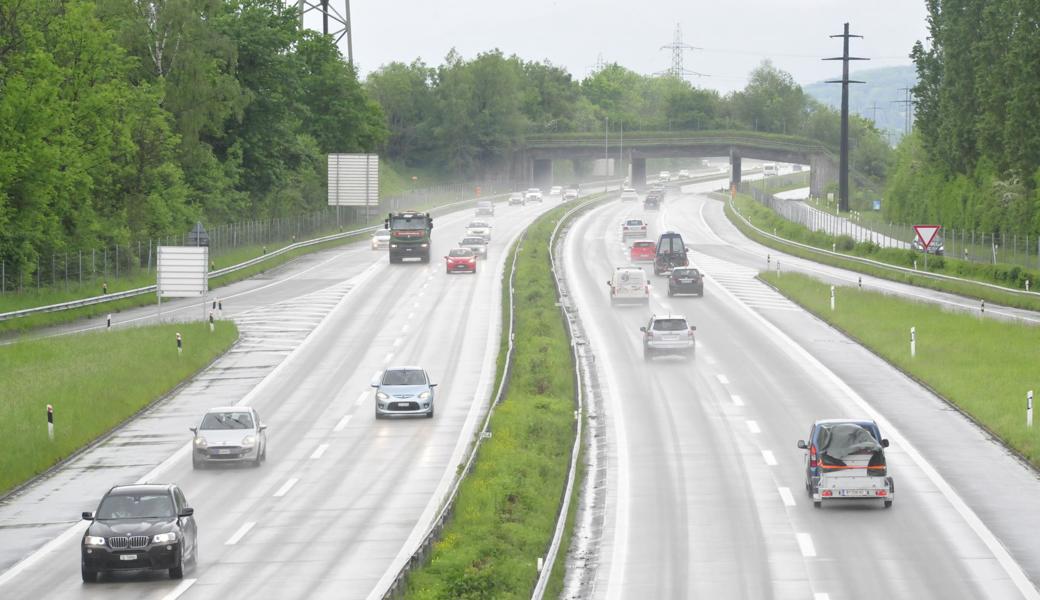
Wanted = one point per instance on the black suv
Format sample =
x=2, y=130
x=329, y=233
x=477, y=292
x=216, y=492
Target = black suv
x=671, y=253
x=652, y=200
x=685, y=280
x=139, y=527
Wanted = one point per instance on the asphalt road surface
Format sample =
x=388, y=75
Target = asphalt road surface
x=705, y=489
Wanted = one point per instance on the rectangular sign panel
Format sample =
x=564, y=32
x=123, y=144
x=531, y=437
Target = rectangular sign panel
x=183, y=271
x=353, y=179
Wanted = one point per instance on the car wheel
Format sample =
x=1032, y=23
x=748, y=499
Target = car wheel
x=670, y=292
x=888, y=504
x=256, y=461
x=178, y=571
x=447, y=271
x=429, y=415
x=196, y=463
x=88, y=575
x=263, y=456
x=647, y=354
x=378, y=416
x=817, y=503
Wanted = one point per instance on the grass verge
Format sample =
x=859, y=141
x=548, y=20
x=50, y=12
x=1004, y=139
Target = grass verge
x=95, y=381
x=982, y=366
x=1006, y=275
x=507, y=506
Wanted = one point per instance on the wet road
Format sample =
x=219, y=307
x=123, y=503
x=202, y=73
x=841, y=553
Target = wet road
x=704, y=483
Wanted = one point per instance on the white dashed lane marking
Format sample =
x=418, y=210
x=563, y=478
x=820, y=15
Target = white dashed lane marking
x=319, y=451
x=241, y=533
x=741, y=282
x=805, y=544
x=767, y=455
x=286, y=487
x=342, y=423
x=722, y=379
x=786, y=496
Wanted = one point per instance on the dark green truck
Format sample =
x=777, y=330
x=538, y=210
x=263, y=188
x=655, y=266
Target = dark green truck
x=409, y=235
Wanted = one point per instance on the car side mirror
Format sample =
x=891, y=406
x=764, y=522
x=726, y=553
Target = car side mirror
x=88, y=516
x=801, y=444
x=374, y=384
x=186, y=512
x=693, y=328
x=433, y=385
x=263, y=428
x=194, y=430
x=643, y=329
x=445, y=258
x=884, y=443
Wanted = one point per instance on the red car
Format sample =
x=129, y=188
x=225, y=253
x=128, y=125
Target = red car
x=643, y=251
x=460, y=260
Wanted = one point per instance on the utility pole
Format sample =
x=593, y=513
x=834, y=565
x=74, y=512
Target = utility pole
x=341, y=21
x=843, y=169
x=606, y=148
x=621, y=151
x=908, y=107
x=874, y=108
x=678, y=48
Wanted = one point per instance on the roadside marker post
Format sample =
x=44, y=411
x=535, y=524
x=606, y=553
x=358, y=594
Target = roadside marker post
x=983, y=306
x=1029, y=409
x=50, y=421
x=778, y=268
x=861, y=283
x=211, y=321
x=180, y=344
x=832, y=297
x=913, y=342
x=108, y=322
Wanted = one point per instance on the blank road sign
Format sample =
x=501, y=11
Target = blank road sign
x=183, y=271
x=353, y=179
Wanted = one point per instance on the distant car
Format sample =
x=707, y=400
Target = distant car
x=668, y=334
x=381, y=239
x=674, y=177
x=479, y=228
x=652, y=201
x=664, y=176
x=845, y=460
x=769, y=170
x=633, y=228
x=229, y=434
x=139, y=527
x=533, y=195
x=516, y=199
x=629, y=285
x=797, y=168
x=460, y=260
x=684, y=173
x=937, y=247
x=643, y=252
x=404, y=391
x=685, y=280
x=629, y=195
x=671, y=253
x=475, y=243
x=556, y=190
x=570, y=194
x=485, y=207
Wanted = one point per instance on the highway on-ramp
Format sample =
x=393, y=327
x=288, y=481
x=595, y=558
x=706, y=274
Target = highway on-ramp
x=704, y=493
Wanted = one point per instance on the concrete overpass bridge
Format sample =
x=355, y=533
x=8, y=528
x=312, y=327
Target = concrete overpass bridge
x=533, y=161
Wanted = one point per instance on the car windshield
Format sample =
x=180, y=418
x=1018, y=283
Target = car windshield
x=643, y=245
x=685, y=273
x=473, y=241
x=670, y=325
x=636, y=222
x=412, y=223
x=383, y=233
x=144, y=506
x=839, y=441
x=478, y=224
x=670, y=244
x=404, y=377
x=460, y=252
x=227, y=420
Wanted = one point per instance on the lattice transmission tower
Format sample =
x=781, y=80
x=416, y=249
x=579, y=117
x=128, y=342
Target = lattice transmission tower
x=341, y=27
x=678, y=48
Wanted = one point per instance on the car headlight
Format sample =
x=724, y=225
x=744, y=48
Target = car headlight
x=424, y=396
x=93, y=540
x=423, y=245
x=393, y=245
x=164, y=538
x=249, y=440
x=200, y=442
x=382, y=396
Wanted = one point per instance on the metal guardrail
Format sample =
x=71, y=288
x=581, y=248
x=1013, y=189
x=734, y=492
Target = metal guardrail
x=224, y=271
x=579, y=400
x=875, y=263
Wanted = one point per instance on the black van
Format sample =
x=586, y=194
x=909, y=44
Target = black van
x=671, y=253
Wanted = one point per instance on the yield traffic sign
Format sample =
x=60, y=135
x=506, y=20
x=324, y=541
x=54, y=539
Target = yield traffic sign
x=926, y=233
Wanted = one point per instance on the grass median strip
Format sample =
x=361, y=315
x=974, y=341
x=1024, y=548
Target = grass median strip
x=94, y=381
x=983, y=366
x=507, y=506
x=1004, y=275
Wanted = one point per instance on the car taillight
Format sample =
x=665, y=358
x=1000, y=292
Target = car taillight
x=689, y=332
x=881, y=493
x=812, y=457
x=826, y=493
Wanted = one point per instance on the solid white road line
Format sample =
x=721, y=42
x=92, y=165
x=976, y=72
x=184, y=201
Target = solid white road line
x=737, y=400
x=397, y=342
x=786, y=496
x=753, y=427
x=722, y=378
x=412, y=314
x=241, y=533
x=180, y=589
x=805, y=545
x=821, y=596
x=285, y=488
x=361, y=399
x=319, y=451
x=770, y=459
x=342, y=423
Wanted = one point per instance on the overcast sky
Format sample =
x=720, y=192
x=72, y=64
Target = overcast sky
x=735, y=35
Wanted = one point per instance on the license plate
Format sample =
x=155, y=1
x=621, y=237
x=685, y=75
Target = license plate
x=223, y=451
x=854, y=492
x=127, y=557
x=685, y=281
x=400, y=405
x=670, y=337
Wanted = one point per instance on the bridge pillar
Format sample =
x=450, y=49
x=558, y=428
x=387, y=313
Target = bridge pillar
x=638, y=173
x=542, y=174
x=822, y=173
x=734, y=168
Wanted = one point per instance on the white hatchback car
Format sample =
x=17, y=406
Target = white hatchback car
x=479, y=228
x=229, y=434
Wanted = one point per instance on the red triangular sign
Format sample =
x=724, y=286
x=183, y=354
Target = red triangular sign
x=926, y=233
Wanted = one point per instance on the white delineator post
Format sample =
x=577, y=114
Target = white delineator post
x=778, y=268
x=180, y=344
x=211, y=321
x=913, y=342
x=832, y=297
x=108, y=322
x=1029, y=409
x=50, y=422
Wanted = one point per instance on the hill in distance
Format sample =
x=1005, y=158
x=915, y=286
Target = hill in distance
x=882, y=89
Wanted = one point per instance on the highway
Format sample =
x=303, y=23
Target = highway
x=704, y=493
x=343, y=498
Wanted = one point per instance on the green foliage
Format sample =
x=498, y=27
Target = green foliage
x=129, y=119
x=87, y=380
x=987, y=377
